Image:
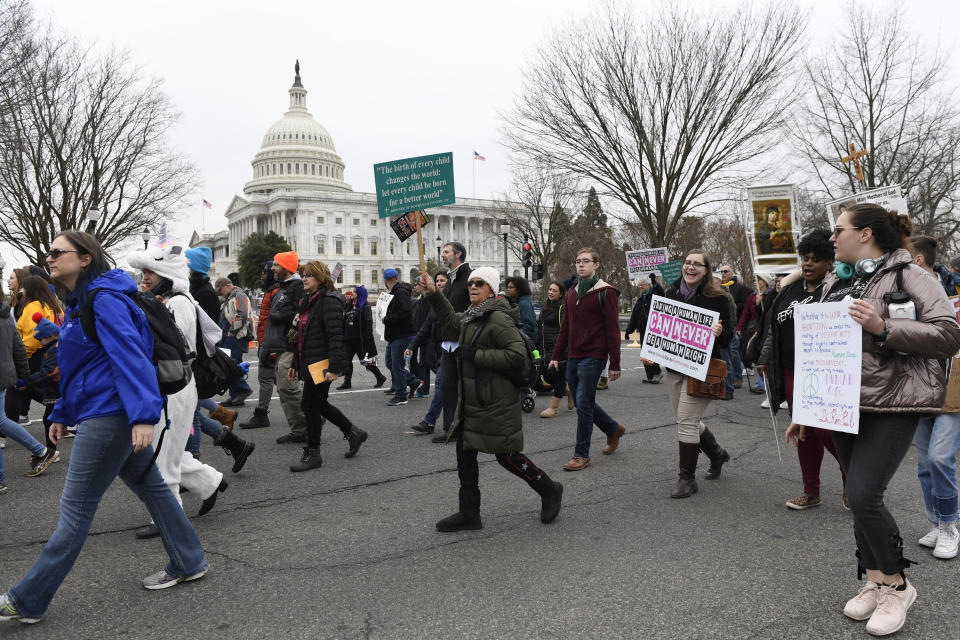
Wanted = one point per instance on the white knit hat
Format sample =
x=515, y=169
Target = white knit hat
x=166, y=262
x=489, y=275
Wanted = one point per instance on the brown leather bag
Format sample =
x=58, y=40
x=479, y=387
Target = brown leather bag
x=714, y=386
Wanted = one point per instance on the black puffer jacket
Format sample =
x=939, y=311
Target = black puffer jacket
x=13, y=355
x=202, y=291
x=320, y=334
x=283, y=308
x=551, y=317
x=641, y=311
x=358, y=330
x=398, y=321
x=428, y=340
x=459, y=296
x=721, y=304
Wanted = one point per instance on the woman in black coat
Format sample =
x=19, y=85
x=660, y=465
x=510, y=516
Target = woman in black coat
x=638, y=322
x=358, y=337
x=698, y=287
x=551, y=317
x=320, y=342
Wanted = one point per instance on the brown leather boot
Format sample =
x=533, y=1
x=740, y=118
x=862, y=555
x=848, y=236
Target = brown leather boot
x=226, y=417
x=551, y=411
x=687, y=483
x=614, y=441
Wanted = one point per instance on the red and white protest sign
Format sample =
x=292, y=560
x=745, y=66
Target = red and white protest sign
x=679, y=336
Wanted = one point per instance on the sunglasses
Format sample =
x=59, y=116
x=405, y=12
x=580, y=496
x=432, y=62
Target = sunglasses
x=837, y=230
x=476, y=283
x=53, y=254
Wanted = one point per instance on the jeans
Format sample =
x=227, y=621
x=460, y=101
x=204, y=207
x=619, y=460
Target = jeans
x=436, y=402
x=938, y=440
x=202, y=425
x=102, y=450
x=18, y=434
x=869, y=459
x=582, y=377
x=316, y=406
x=236, y=354
x=403, y=380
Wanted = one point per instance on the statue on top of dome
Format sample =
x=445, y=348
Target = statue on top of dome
x=296, y=67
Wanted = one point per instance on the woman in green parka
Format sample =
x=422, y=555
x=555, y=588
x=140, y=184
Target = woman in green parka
x=488, y=417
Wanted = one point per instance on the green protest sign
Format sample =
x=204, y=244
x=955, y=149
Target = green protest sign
x=670, y=270
x=414, y=183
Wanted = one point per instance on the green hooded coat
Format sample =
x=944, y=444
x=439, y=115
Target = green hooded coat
x=488, y=405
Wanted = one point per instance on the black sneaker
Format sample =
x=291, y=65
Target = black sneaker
x=423, y=428
x=39, y=464
x=440, y=438
x=396, y=401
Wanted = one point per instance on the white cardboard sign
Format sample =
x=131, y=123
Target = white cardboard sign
x=383, y=301
x=890, y=198
x=679, y=336
x=643, y=262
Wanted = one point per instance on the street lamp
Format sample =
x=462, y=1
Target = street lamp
x=93, y=215
x=505, y=230
x=145, y=236
x=439, y=246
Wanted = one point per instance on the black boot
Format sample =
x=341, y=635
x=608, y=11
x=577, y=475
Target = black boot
x=355, y=437
x=237, y=447
x=551, y=495
x=309, y=460
x=687, y=484
x=207, y=504
x=468, y=518
x=380, y=377
x=717, y=454
x=258, y=421
x=346, y=384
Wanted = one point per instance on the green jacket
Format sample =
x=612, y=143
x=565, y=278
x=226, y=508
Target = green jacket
x=488, y=405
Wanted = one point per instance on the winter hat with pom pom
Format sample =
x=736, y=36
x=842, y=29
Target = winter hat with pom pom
x=44, y=328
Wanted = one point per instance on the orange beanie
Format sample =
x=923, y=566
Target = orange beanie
x=288, y=260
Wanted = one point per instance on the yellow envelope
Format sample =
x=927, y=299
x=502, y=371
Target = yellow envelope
x=318, y=371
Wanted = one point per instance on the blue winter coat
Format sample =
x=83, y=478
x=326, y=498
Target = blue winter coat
x=116, y=378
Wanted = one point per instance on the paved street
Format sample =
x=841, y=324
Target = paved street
x=350, y=550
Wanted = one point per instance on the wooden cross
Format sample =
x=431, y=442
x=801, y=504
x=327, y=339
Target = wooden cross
x=854, y=157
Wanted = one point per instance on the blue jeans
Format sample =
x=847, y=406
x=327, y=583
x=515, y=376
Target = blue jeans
x=236, y=354
x=102, y=450
x=18, y=434
x=583, y=374
x=734, y=366
x=402, y=379
x=202, y=425
x=436, y=402
x=938, y=440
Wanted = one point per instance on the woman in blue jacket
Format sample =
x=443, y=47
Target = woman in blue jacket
x=110, y=394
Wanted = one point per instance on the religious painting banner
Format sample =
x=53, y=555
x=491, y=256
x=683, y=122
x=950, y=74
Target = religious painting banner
x=679, y=336
x=772, y=229
x=890, y=198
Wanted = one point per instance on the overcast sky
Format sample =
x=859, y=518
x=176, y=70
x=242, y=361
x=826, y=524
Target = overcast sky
x=387, y=79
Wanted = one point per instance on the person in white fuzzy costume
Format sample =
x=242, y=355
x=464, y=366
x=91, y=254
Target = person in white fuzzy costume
x=165, y=275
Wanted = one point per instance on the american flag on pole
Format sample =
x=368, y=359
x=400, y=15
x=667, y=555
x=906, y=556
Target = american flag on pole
x=210, y=206
x=477, y=156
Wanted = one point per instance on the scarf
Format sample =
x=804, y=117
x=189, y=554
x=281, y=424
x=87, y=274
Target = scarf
x=686, y=292
x=474, y=312
x=585, y=285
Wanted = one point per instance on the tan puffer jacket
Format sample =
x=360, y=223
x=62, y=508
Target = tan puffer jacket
x=912, y=383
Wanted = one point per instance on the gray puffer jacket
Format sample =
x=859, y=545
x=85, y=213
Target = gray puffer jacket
x=913, y=383
x=13, y=355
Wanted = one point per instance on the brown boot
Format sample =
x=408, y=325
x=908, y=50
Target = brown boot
x=614, y=441
x=687, y=483
x=551, y=411
x=570, y=405
x=226, y=417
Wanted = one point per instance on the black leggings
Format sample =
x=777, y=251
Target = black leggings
x=557, y=378
x=869, y=460
x=516, y=463
x=316, y=406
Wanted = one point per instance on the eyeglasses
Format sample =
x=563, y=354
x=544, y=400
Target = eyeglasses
x=53, y=254
x=838, y=229
x=691, y=263
x=584, y=261
x=476, y=283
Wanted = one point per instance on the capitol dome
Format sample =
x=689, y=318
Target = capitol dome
x=297, y=152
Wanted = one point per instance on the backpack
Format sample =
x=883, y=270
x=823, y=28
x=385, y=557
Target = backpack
x=213, y=371
x=171, y=356
x=526, y=376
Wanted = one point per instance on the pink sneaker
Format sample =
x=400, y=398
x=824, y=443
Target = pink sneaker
x=862, y=605
x=891, y=611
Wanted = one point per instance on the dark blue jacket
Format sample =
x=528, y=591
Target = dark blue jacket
x=43, y=382
x=117, y=378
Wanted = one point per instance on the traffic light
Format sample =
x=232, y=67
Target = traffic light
x=537, y=273
x=527, y=254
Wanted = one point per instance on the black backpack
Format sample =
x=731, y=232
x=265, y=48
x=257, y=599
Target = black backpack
x=526, y=376
x=213, y=374
x=171, y=355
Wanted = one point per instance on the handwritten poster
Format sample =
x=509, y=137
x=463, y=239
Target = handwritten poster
x=383, y=301
x=827, y=365
x=641, y=263
x=679, y=336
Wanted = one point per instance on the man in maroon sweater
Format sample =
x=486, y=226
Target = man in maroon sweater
x=590, y=335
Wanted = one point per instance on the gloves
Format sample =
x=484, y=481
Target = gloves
x=21, y=383
x=467, y=352
x=245, y=367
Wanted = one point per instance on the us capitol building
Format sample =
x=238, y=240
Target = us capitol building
x=298, y=191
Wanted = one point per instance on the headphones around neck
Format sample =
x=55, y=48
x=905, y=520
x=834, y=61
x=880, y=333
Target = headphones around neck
x=862, y=269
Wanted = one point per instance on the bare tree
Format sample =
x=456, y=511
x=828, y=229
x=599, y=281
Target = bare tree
x=661, y=112
x=16, y=49
x=91, y=131
x=875, y=87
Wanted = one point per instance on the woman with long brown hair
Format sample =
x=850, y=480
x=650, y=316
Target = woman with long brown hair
x=697, y=286
x=15, y=283
x=320, y=342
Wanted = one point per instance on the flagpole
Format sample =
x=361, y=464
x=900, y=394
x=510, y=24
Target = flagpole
x=474, y=174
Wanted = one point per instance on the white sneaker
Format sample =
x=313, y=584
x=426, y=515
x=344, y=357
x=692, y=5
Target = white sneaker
x=784, y=405
x=3, y=443
x=930, y=540
x=947, y=542
x=765, y=404
x=891, y=611
x=861, y=606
